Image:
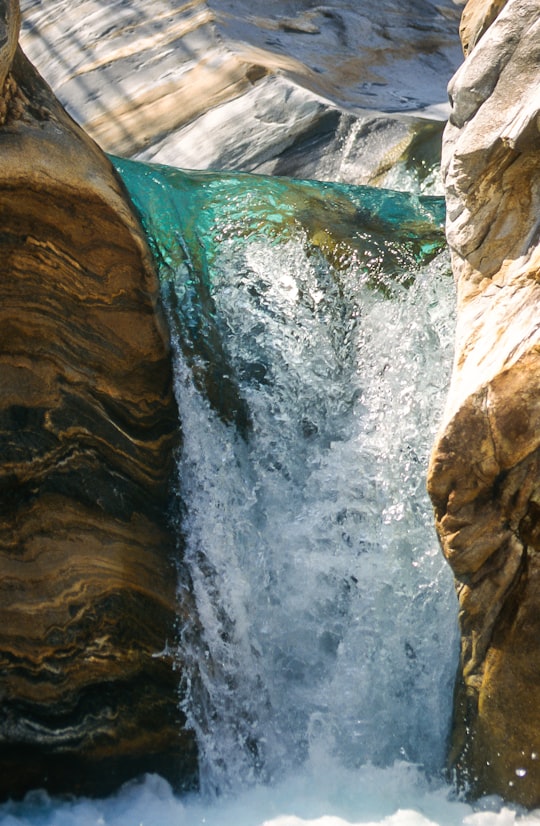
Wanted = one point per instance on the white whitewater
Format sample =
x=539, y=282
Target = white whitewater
x=320, y=679
x=328, y=613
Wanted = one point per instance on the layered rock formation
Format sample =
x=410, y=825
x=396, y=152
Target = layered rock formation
x=88, y=427
x=484, y=475
x=338, y=91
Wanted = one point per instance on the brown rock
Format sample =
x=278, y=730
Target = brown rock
x=484, y=474
x=88, y=427
x=477, y=17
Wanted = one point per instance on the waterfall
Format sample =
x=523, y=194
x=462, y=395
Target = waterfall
x=327, y=612
x=312, y=351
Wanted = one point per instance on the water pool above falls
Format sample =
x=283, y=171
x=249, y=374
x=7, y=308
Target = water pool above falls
x=191, y=218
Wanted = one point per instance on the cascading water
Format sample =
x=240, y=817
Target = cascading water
x=309, y=540
x=312, y=329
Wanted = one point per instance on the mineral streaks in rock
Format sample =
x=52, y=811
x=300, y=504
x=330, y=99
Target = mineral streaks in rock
x=87, y=433
x=484, y=477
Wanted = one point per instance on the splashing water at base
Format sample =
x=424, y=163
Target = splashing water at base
x=396, y=796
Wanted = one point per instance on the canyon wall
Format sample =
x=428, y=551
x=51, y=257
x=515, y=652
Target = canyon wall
x=484, y=476
x=88, y=428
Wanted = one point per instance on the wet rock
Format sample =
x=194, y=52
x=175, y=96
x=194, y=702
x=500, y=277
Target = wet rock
x=88, y=427
x=484, y=475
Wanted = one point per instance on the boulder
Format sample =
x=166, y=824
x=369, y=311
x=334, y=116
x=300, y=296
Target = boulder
x=88, y=429
x=484, y=475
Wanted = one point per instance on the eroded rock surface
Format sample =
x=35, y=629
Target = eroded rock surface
x=88, y=426
x=336, y=91
x=485, y=468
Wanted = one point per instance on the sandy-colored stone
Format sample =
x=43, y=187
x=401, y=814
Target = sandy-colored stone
x=477, y=17
x=88, y=427
x=484, y=475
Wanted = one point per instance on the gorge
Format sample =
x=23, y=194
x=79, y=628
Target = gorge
x=311, y=326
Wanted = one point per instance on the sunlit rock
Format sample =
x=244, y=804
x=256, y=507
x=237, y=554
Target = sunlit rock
x=339, y=91
x=477, y=17
x=484, y=475
x=87, y=433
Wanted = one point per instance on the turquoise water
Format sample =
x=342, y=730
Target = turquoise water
x=205, y=208
x=188, y=215
x=191, y=217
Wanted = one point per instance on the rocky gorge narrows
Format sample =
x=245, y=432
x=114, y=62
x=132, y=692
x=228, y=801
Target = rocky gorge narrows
x=223, y=85
x=90, y=425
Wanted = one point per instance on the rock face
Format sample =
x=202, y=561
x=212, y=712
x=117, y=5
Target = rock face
x=338, y=91
x=88, y=427
x=485, y=468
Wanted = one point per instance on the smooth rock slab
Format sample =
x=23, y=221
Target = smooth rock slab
x=240, y=85
x=88, y=428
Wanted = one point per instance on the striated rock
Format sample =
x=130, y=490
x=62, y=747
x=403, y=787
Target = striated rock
x=245, y=86
x=484, y=477
x=88, y=427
